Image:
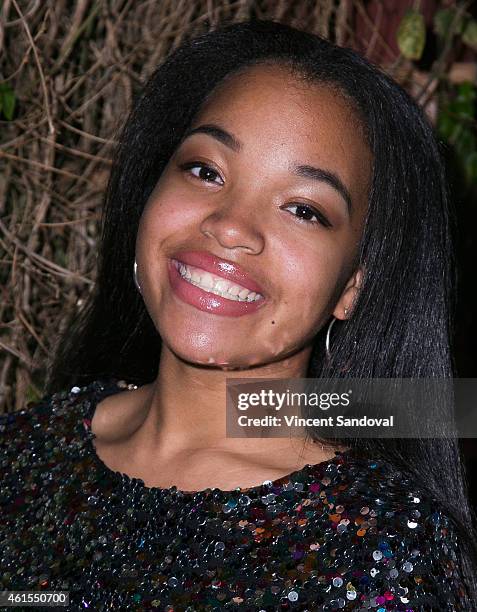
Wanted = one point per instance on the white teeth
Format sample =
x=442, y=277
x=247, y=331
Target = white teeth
x=207, y=280
x=215, y=284
x=222, y=285
x=183, y=270
x=195, y=276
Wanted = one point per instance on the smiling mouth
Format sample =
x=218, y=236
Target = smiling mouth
x=215, y=284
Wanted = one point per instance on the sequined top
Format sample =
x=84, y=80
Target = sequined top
x=346, y=534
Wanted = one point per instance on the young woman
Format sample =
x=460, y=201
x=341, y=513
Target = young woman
x=267, y=184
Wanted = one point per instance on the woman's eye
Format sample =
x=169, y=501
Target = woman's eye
x=201, y=171
x=305, y=214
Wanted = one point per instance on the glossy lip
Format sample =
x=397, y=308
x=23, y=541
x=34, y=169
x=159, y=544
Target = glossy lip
x=219, y=267
x=205, y=300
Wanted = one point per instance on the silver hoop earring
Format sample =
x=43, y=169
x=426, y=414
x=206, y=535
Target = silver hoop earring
x=328, y=354
x=135, y=277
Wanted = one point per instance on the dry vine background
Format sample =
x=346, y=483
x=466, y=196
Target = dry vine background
x=69, y=70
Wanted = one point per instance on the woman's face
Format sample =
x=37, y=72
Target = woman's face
x=233, y=205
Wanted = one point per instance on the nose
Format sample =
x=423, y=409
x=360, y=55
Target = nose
x=233, y=227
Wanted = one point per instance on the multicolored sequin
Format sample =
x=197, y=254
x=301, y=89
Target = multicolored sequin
x=347, y=534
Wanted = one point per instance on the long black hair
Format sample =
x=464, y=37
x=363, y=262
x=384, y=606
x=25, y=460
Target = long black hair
x=401, y=325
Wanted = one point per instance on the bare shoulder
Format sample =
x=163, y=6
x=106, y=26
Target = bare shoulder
x=119, y=415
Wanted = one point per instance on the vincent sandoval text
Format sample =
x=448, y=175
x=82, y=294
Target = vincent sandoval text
x=341, y=421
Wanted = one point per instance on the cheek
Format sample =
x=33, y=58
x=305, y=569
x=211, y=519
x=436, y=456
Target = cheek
x=164, y=225
x=309, y=273
x=166, y=215
x=308, y=277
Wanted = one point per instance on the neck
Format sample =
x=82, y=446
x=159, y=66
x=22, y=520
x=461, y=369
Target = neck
x=186, y=404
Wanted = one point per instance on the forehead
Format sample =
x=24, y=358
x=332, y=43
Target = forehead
x=277, y=114
x=291, y=104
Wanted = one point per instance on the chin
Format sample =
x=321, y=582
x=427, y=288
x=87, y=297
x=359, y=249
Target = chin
x=203, y=348
x=215, y=359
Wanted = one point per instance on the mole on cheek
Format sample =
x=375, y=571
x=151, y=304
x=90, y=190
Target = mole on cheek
x=273, y=322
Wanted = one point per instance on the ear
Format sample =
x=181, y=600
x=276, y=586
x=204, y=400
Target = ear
x=349, y=295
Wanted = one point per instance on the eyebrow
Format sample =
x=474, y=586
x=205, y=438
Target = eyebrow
x=218, y=133
x=304, y=170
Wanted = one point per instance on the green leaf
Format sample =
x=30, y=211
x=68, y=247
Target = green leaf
x=7, y=100
x=445, y=19
x=455, y=124
x=445, y=125
x=463, y=104
x=31, y=395
x=471, y=167
x=466, y=90
x=411, y=35
x=469, y=36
